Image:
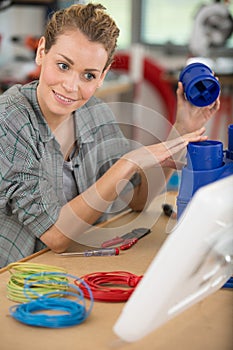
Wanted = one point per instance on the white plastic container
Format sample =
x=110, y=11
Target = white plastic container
x=191, y=264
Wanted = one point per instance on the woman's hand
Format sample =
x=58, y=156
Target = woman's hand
x=162, y=153
x=189, y=117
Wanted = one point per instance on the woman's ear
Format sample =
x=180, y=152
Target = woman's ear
x=40, y=51
x=103, y=75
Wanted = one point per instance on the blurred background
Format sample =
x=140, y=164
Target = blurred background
x=158, y=38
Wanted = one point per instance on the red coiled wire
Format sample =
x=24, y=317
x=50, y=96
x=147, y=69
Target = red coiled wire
x=105, y=285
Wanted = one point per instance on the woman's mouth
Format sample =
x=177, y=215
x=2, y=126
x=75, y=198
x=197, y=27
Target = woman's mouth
x=63, y=99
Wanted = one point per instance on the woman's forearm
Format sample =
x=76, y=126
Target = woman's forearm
x=83, y=211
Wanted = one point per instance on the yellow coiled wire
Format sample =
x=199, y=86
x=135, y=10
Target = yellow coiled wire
x=20, y=271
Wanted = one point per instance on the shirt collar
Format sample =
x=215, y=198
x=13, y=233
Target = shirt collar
x=29, y=91
x=85, y=118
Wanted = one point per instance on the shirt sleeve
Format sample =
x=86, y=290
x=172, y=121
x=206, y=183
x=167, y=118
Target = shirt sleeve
x=26, y=191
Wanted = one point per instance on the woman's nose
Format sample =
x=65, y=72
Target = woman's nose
x=71, y=84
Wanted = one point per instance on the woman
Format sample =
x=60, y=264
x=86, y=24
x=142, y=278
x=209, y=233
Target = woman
x=64, y=159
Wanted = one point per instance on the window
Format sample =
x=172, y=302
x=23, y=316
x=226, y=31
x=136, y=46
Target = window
x=121, y=11
x=169, y=21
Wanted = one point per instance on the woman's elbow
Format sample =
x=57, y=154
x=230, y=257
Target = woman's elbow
x=55, y=241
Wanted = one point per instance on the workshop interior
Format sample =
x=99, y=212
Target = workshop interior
x=161, y=42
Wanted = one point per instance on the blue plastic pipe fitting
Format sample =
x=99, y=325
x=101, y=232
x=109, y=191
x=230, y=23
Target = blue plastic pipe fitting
x=206, y=162
x=201, y=88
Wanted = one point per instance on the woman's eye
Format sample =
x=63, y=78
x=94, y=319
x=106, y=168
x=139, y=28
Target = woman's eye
x=63, y=66
x=89, y=76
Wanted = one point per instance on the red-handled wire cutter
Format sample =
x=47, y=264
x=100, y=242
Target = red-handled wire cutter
x=127, y=240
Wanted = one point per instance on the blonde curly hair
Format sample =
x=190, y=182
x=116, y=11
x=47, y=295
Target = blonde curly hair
x=91, y=20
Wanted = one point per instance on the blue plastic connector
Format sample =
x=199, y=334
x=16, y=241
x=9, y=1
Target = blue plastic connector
x=201, y=88
x=206, y=162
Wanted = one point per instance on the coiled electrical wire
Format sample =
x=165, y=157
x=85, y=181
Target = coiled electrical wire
x=21, y=271
x=103, y=285
x=40, y=312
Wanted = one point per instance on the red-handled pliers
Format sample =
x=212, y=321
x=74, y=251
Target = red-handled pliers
x=128, y=243
x=127, y=240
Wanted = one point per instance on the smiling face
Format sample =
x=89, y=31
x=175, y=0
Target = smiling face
x=71, y=71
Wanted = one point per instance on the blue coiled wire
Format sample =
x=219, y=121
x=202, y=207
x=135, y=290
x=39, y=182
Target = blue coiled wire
x=72, y=312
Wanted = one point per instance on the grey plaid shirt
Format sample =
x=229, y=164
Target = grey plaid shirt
x=31, y=166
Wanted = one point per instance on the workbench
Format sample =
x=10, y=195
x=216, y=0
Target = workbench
x=207, y=325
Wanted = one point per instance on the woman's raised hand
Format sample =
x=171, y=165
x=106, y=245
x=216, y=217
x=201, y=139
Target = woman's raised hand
x=189, y=117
